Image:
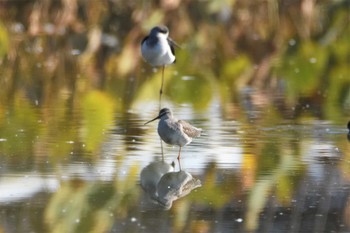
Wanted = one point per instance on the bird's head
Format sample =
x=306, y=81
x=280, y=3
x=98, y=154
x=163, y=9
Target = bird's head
x=162, y=112
x=160, y=31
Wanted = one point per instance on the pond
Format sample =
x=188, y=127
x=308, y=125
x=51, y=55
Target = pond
x=272, y=99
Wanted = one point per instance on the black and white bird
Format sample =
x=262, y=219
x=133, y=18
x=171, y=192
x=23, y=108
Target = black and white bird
x=157, y=49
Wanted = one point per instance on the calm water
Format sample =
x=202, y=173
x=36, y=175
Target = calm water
x=268, y=82
x=242, y=175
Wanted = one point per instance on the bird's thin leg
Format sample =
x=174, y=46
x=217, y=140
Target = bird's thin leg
x=178, y=157
x=161, y=146
x=160, y=106
x=179, y=161
x=161, y=89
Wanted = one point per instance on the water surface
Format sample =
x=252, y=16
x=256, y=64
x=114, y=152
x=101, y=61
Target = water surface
x=267, y=82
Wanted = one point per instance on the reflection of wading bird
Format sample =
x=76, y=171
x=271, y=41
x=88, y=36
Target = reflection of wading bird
x=158, y=50
x=165, y=186
x=173, y=131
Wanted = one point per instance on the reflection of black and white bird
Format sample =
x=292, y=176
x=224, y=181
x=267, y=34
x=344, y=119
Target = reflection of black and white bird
x=349, y=131
x=173, y=131
x=158, y=49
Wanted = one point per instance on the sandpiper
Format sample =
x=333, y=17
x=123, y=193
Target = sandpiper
x=173, y=131
x=158, y=50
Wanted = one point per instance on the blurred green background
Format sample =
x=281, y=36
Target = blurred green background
x=71, y=75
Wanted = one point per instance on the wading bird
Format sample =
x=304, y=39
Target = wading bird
x=173, y=131
x=158, y=50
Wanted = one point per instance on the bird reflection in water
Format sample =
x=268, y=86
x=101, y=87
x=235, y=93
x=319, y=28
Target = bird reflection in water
x=349, y=131
x=164, y=186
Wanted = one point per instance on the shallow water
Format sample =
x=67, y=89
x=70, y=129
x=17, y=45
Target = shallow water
x=279, y=176
x=268, y=83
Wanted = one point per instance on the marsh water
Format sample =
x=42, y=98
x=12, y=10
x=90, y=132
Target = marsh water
x=271, y=96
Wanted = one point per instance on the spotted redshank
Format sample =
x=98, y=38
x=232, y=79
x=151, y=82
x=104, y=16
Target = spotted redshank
x=173, y=131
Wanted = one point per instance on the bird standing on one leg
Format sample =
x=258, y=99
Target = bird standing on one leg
x=158, y=50
x=173, y=131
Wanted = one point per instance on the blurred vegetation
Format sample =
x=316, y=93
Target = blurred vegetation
x=68, y=67
x=297, y=48
x=91, y=207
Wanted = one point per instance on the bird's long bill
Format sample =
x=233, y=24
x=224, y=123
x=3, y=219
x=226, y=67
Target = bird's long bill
x=152, y=120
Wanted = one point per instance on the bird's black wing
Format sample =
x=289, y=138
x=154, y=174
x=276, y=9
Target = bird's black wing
x=172, y=44
x=144, y=39
x=172, y=49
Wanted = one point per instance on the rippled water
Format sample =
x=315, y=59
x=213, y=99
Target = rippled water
x=268, y=83
x=247, y=174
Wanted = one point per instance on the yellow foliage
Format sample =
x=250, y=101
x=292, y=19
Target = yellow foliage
x=4, y=40
x=98, y=115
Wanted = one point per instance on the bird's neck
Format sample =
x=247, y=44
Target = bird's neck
x=168, y=117
x=162, y=36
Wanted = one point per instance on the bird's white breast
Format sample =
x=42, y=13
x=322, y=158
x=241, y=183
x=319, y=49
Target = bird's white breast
x=159, y=54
